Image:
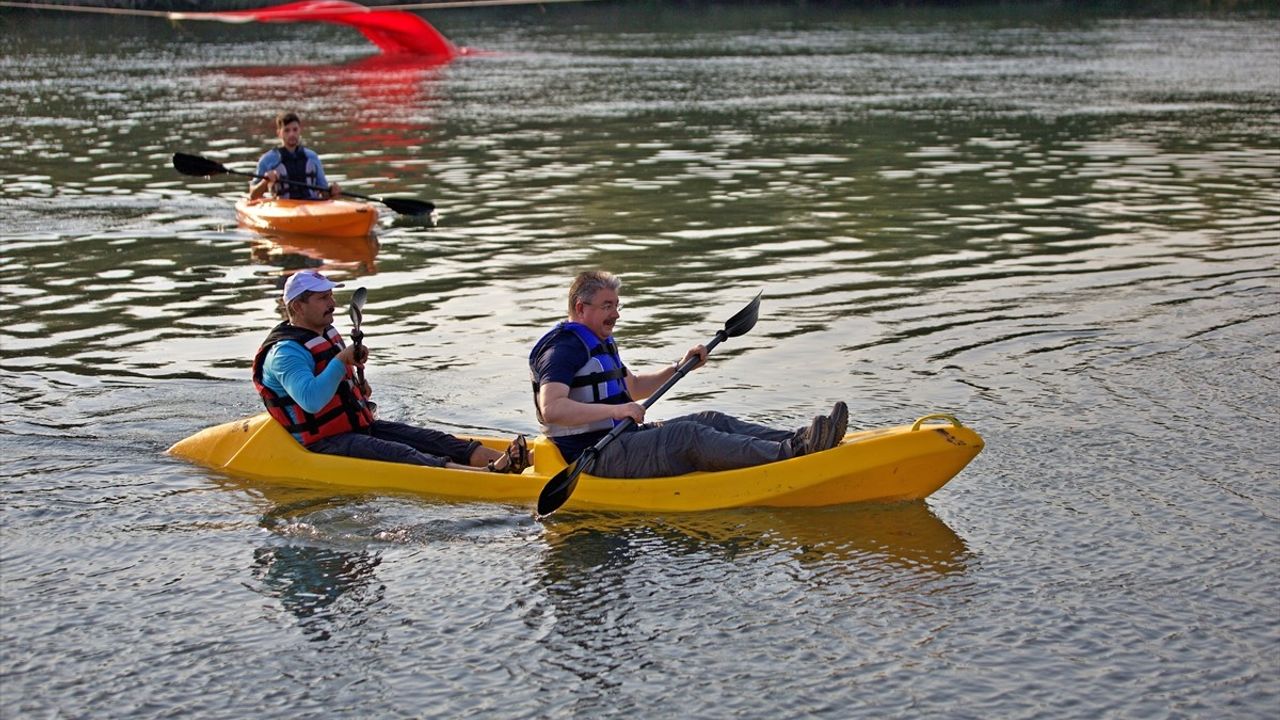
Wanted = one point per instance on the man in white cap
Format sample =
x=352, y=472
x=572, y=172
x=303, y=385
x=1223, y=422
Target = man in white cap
x=305, y=375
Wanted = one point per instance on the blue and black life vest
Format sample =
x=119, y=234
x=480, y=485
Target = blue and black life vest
x=601, y=380
x=297, y=166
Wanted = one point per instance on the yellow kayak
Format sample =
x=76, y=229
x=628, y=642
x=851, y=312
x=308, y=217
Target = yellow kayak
x=907, y=462
x=323, y=218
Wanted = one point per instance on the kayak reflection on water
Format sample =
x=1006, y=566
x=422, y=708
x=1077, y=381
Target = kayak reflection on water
x=353, y=256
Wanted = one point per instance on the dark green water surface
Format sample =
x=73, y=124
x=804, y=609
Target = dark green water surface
x=1060, y=226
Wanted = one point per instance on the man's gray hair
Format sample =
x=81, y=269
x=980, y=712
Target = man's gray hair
x=588, y=283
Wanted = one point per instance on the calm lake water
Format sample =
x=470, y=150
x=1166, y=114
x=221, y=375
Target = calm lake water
x=1064, y=228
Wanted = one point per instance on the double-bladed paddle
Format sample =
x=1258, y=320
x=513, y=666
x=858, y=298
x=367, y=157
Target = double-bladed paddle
x=204, y=167
x=357, y=306
x=558, y=489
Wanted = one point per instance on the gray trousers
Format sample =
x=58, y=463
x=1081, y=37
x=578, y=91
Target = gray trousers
x=398, y=442
x=702, y=441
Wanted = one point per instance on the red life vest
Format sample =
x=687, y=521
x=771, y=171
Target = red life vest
x=346, y=411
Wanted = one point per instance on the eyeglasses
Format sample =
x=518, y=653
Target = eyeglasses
x=607, y=307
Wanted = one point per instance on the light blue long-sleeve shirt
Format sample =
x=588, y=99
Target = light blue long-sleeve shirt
x=289, y=369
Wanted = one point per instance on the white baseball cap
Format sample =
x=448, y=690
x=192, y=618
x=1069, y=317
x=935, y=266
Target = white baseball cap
x=306, y=280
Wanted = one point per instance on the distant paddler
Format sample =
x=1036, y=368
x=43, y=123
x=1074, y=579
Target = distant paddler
x=291, y=161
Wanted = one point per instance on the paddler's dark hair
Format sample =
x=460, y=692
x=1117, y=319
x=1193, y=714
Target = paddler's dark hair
x=588, y=283
x=285, y=118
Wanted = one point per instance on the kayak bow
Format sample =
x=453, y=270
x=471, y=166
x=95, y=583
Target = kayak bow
x=907, y=462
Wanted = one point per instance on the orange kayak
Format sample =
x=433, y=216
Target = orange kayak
x=324, y=218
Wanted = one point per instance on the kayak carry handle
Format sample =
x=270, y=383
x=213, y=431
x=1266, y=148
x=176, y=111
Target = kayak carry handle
x=936, y=416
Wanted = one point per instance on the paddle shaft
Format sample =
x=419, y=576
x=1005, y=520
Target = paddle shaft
x=196, y=165
x=681, y=371
x=356, y=336
x=558, y=489
x=588, y=458
x=404, y=206
x=296, y=183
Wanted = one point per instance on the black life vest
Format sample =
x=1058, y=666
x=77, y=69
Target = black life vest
x=297, y=166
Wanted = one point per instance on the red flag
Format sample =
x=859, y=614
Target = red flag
x=394, y=31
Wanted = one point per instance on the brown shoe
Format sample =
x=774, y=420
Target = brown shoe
x=815, y=438
x=839, y=418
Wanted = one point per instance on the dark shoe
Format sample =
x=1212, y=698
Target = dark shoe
x=839, y=418
x=515, y=459
x=815, y=438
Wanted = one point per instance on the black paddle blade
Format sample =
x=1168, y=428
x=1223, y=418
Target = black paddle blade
x=558, y=489
x=196, y=165
x=745, y=319
x=357, y=305
x=406, y=206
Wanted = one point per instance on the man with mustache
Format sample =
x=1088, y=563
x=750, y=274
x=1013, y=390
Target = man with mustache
x=305, y=375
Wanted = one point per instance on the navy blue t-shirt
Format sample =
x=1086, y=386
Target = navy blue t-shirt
x=558, y=362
